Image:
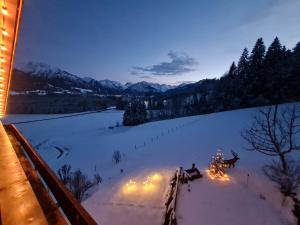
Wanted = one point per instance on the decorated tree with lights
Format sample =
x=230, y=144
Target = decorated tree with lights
x=217, y=166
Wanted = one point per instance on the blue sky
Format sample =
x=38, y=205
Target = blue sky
x=164, y=41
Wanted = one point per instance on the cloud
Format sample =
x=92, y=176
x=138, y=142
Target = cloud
x=146, y=77
x=180, y=63
x=135, y=73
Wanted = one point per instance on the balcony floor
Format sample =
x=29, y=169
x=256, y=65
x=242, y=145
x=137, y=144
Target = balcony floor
x=18, y=202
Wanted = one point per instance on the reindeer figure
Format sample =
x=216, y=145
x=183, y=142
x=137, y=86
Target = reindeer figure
x=231, y=162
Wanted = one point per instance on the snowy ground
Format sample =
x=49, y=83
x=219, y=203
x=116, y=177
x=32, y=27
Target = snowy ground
x=87, y=142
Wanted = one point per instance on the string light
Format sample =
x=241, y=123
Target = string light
x=9, y=28
x=4, y=10
x=2, y=46
x=4, y=32
x=148, y=186
x=216, y=169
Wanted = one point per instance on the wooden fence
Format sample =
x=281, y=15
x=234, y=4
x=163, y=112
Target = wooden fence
x=170, y=213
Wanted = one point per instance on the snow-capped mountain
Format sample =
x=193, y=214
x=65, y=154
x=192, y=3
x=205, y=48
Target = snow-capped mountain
x=46, y=71
x=41, y=76
x=105, y=85
x=149, y=88
x=112, y=84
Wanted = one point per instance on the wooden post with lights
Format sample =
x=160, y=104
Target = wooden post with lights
x=10, y=22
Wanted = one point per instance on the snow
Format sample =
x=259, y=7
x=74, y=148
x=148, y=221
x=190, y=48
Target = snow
x=146, y=87
x=112, y=84
x=40, y=69
x=219, y=203
x=161, y=147
x=45, y=70
x=83, y=90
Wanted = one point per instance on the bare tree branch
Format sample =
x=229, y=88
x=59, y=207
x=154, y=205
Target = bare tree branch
x=273, y=132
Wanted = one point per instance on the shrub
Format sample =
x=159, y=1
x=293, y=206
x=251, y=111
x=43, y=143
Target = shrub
x=77, y=182
x=288, y=181
x=64, y=173
x=116, y=157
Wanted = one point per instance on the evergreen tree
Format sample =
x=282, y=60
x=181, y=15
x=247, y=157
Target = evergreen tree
x=217, y=167
x=275, y=53
x=273, y=72
x=232, y=70
x=254, y=80
x=257, y=57
x=293, y=79
x=135, y=113
x=243, y=64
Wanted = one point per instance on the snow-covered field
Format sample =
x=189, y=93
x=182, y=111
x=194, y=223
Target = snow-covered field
x=158, y=148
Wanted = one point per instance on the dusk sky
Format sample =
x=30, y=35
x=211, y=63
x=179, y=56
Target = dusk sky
x=163, y=41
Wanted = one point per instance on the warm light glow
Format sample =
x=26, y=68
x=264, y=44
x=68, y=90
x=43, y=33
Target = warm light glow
x=223, y=177
x=156, y=177
x=4, y=32
x=10, y=18
x=148, y=186
x=2, y=46
x=151, y=184
x=130, y=187
x=4, y=10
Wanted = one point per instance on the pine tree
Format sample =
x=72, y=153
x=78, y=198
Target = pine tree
x=232, y=70
x=273, y=71
x=257, y=57
x=275, y=53
x=243, y=64
x=135, y=113
x=254, y=80
x=217, y=166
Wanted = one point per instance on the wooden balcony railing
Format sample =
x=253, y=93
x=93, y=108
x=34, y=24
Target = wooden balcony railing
x=75, y=213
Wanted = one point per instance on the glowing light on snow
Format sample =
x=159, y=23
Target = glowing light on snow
x=130, y=187
x=156, y=177
x=149, y=185
x=223, y=177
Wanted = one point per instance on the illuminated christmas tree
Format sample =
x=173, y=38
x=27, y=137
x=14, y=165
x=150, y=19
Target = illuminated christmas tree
x=217, y=167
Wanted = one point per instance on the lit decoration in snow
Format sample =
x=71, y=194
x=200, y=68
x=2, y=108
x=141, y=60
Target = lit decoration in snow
x=156, y=177
x=216, y=169
x=149, y=185
x=130, y=187
x=9, y=23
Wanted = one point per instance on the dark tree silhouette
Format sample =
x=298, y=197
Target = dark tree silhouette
x=256, y=59
x=243, y=64
x=77, y=182
x=274, y=133
x=232, y=70
x=64, y=173
x=135, y=113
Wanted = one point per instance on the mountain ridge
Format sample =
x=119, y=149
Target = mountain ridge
x=45, y=77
